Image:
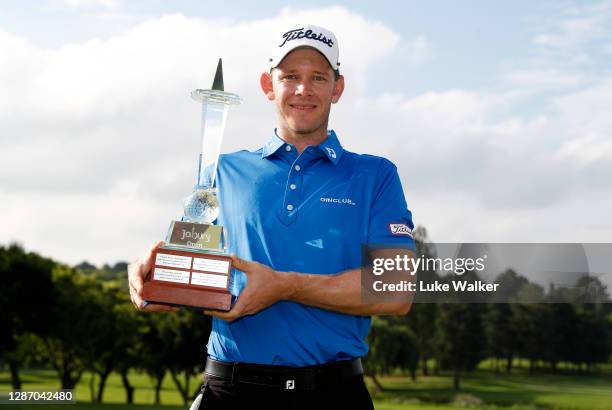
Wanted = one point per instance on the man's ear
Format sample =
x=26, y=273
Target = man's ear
x=265, y=81
x=338, y=89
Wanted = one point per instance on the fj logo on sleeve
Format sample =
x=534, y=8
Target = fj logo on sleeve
x=290, y=385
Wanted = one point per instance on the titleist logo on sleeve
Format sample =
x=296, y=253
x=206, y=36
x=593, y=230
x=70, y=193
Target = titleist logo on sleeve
x=300, y=33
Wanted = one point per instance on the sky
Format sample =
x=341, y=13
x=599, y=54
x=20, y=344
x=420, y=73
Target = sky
x=497, y=115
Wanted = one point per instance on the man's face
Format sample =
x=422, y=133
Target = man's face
x=303, y=88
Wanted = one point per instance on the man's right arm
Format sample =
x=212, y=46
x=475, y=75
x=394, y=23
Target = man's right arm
x=136, y=273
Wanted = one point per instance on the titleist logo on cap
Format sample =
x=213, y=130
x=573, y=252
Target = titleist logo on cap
x=300, y=33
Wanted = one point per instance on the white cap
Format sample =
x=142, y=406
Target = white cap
x=316, y=37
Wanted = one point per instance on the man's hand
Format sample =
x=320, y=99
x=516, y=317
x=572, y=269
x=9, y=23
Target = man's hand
x=265, y=287
x=136, y=274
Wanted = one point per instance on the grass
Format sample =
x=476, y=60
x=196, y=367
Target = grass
x=517, y=391
x=114, y=393
x=482, y=389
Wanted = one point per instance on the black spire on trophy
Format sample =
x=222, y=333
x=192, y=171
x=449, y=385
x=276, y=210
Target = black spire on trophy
x=218, y=81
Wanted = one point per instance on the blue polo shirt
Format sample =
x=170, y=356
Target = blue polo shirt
x=306, y=213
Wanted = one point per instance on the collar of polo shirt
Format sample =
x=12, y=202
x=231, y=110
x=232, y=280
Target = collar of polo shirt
x=330, y=147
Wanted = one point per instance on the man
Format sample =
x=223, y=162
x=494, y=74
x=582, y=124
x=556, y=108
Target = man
x=297, y=212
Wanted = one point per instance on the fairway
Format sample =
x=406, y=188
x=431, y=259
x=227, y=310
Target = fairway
x=482, y=389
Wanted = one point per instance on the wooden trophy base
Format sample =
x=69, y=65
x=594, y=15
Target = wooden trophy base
x=189, y=278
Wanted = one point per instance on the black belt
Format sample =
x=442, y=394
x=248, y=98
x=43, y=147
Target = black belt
x=284, y=377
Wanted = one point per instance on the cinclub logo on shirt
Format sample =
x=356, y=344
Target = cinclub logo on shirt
x=342, y=201
x=400, y=230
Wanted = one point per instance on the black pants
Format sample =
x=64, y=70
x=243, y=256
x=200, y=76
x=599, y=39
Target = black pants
x=349, y=393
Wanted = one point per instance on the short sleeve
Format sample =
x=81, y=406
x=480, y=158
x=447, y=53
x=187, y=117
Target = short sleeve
x=390, y=220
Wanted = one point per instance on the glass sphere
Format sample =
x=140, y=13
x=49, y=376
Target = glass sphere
x=201, y=206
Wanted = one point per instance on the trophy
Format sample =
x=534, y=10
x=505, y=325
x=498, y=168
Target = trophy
x=193, y=267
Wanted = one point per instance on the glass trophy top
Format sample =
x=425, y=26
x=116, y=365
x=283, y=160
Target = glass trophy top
x=196, y=231
x=216, y=96
x=202, y=205
x=215, y=105
x=217, y=93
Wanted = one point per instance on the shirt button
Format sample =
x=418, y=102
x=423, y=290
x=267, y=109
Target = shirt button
x=292, y=186
x=288, y=147
x=289, y=207
x=297, y=167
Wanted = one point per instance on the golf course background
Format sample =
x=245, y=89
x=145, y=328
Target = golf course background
x=74, y=327
x=482, y=389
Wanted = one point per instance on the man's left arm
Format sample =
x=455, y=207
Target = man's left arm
x=343, y=292
x=340, y=292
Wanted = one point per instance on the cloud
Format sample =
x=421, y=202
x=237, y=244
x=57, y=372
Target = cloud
x=105, y=4
x=99, y=139
x=544, y=78
x=94, y=131
x=568, y=50
x=574, y=32
x=586, y=117
x=464, y=147
x=575, y=27
x=84, y=106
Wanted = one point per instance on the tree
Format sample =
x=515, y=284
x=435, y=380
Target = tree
x=591, y=342
x=423, y=313
x=498, y=320
x=460, y=340
x=86, y=267
x=131, y=329
x=421, y=320
x=499, y=333
x=590, y=289
x=392, y=346
x=189, y=333
x=609, y=320
x=74, y=311
x=560, y=328
x=155, y=349
x=104, y=346
x=120, y=267
x=528, y=321
x=510, y=285
x=24, y=278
